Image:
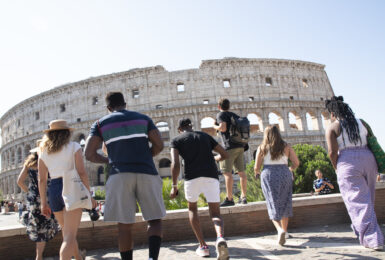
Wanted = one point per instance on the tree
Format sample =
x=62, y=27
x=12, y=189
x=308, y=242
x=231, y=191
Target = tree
x=311, y=158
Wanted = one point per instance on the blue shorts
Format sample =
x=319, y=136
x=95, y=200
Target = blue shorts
x=55, y=197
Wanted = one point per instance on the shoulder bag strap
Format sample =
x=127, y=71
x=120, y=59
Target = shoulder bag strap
x=370, y=132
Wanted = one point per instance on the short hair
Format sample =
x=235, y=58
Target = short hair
x=115, y=99
x=224, y=103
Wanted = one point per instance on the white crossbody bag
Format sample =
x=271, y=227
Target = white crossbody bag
x=75, y=194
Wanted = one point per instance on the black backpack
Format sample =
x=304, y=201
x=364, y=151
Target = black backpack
x=239, y=130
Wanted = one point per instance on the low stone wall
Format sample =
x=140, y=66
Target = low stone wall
x=246, y=219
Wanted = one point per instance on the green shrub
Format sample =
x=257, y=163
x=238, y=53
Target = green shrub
x=179, y=202
x=312, y=157
x=100, y=194
x=254, y=190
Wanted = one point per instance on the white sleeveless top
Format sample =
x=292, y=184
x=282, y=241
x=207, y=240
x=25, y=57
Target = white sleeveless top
x=60, y=162
x=267, y=159
x=348, y=144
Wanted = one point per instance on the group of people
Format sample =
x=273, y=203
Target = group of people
x=131, y=140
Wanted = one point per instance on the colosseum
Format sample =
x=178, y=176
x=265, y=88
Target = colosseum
x=288, y=93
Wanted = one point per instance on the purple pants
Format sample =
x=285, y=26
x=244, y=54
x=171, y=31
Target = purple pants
x=356, y=174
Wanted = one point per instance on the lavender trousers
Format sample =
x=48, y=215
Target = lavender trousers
x=356, y=175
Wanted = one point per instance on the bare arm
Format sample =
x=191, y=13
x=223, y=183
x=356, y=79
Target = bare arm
x=175, y=169
x=43, y=176
x=156, y=141
x=222, y=127
x=293, y=158
x=331, y=139
x=21, y=179
x=92, y=145
x=222, y=153
x=258, y=162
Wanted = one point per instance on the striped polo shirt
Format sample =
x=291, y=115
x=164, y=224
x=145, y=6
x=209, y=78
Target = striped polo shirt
x=125, y=134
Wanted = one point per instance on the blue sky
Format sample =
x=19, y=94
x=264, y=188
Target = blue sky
x=45, y=44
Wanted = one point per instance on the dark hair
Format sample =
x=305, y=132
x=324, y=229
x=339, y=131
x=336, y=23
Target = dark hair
x=115, y=99
x=224, y=103
x=345, y=115
x=31, y=160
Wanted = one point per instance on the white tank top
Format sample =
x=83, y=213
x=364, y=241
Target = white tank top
x=344, y=136
x=267, y=159
x=60, y=162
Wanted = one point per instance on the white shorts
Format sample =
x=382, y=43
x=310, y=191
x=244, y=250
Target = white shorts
x=208, y=186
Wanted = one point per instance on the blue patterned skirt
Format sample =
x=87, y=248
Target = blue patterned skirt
x=277, y=187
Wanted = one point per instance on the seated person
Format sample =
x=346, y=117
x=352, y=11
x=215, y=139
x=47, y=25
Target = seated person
x=322, y=185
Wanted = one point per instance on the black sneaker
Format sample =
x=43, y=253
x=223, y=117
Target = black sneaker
x=227, y=203
x=242, y=200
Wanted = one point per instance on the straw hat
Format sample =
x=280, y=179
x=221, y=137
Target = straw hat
x=58, y=124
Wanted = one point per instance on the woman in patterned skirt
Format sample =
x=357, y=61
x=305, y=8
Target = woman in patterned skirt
x=39, y=228
x=276, y=178
x=356, y=169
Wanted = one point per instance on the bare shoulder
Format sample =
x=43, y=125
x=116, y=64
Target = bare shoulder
x=334, y=128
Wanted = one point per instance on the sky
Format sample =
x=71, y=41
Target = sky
x=45, y=44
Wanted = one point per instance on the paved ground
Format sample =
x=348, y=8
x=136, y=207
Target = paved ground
x=320, y=242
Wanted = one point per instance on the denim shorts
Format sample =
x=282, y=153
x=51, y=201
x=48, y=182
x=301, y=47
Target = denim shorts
x=55, y=197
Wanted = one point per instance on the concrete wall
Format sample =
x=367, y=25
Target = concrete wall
x=246, y=219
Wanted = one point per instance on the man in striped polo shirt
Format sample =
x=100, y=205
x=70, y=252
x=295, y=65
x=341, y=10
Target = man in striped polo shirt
x=132, y=176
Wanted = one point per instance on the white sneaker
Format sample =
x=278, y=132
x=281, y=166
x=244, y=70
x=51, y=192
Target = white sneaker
x=287, y=236
x=378, y=248
x=203, y=251
x=281, y=237
x=222, y=249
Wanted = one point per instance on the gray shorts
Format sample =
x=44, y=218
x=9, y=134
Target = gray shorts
x=124, y=189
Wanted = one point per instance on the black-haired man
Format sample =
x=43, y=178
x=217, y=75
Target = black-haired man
x=133, y=176
x=201, y=176
x=236, y=159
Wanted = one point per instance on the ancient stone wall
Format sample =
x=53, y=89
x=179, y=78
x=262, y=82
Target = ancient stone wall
x=288, y=93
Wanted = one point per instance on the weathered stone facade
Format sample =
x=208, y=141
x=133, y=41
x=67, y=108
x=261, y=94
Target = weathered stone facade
x=291, y=91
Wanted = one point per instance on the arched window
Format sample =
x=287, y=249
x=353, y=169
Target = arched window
x=207, y=124
x=295, y=122
x=255, y=123
x=19, y=155
x=164, y=130
x=164, y=163
x=312, y=122
x=27, y=148
x=12, y=156
x=325, y=120
x=276, y=119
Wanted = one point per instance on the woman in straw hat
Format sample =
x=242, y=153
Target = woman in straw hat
x=39, y=228
x=57, y=157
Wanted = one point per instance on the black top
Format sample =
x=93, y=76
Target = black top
x=196, y=150
x=226, y=117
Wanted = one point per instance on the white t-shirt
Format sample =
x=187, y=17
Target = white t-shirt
x=62, y=161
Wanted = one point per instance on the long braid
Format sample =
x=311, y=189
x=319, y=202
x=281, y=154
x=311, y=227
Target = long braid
x=345, y=115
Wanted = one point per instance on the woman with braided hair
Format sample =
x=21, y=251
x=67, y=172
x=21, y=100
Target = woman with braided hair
x=356, y=170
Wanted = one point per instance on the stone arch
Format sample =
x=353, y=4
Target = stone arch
x=12, y=157
x=100, y=172
x=164, y=130
x=295, y=121
x=325, y=119
x=164, y=167
x=275, y=118
x=312, y=121
x=19, y=155
x=27, y=148
x=207, y=124
x=256, y=124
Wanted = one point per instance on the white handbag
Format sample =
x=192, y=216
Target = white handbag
x=75, y=194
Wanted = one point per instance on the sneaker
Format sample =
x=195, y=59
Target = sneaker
x=287, y=236
x=221, y=249
x=378, y=248
x=227, y=203
x=281, y=237
x=242, y=200
x=203, y=251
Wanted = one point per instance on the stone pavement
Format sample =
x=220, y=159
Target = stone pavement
x=320, y=242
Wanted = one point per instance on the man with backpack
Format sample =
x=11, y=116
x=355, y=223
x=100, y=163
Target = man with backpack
x=234, y=131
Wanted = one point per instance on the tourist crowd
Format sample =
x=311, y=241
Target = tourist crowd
x=59, y=188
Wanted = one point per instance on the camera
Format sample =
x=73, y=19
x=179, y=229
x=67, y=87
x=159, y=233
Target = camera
x=94, y=214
